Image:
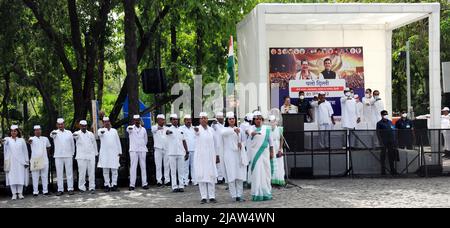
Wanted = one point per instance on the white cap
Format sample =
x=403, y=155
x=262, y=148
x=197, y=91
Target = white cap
x=187, y=116
x=446, y=109
x=37, y=127
x=321, y=93
x=136, y=117
x=272, y=118
x=83, y=122
x=230, y=115
x=203, y=114
x=347, y=89
x=256, y=113
x=60, y=120
x=161, y=116
x=14, y=127
x=174, y=116
x=219, y=114
x=249, y=116
x=105, y=118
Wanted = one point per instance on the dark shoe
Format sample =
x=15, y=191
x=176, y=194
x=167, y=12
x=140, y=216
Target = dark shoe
x=46, y=194
x=59, y=194
x=35, y=195
x=239, y=199
x=159, y=184
x=131, y=188
x=145, y=187
x=115, y=189
x=203, y=201
x=107, y=189
x=81, y=191
x=181, y=190
x=213, y=200
x=71, y=193
x=168, y=184
x=92, y=191
x=175, y=190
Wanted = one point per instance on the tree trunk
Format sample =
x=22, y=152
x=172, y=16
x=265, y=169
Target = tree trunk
x=101, y=72
x=131, y=57
x=48, y=104
x=199, y=48
x=174, y=49
x=5, y=113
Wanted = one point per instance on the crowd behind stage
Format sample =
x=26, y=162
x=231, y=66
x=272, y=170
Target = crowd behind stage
x=203, y=155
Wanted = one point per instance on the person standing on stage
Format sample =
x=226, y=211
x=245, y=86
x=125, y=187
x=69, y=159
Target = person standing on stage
x=325, y=118
x=177, y=152
x=109, y=156
x=367, y=115
x=235, y=158
x=86, y=153
x=40, y=145
x=138, y=152
x=189, y=135
x=305, y=107
x=64, y=151
x=218, y=125
x=205, y=159
x=160, y=146
x=262, y=151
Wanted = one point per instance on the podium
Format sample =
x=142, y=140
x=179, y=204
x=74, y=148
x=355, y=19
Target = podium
x=293, y=125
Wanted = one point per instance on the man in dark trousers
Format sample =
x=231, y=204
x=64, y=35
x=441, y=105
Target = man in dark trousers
x=386, y=135
x=405, y=131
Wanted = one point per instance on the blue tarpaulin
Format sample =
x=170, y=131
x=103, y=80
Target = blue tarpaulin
x=145, y=118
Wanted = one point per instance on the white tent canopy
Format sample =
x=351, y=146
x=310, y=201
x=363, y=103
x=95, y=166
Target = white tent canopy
x=335, y=25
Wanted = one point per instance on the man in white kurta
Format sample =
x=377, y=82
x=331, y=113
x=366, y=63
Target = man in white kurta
x=367, y=114
x=160, y=146
x=64, y=151
x=109, y=156
x=86, y=153
x=205, y=159
x=235, y=158
x=39, y=147
x=445, y=124
x=218, y=125
x=325, y=119
x=138, y=152
x=350, y=114
x=262, y=151
x=189, y=136
x=360, y=110
x=377, y=107
x=177, y=152
x=17, y=160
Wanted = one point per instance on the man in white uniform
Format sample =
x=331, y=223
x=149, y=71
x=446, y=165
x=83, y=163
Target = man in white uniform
x=160, y=145
x=64, y=151
x=205, y=160
x=178, y=153
x=189, y=136
x=86, y=153
x=110, y=151
x=138, y=152
x=377, y=107
x=218, y=126
x=350, y=114
x=39, y=148
x=325, y=118
x=445, y=124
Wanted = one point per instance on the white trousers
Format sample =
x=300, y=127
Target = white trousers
x=176, y=167
x=446, y=135
x=114, y=176
x=15, y=188
x=83, y=166
x=236, y=188
x=62, y=163
x=207, y=190
x=43, y=174
x=189, y=165
x=162, y=161
x=136, y=157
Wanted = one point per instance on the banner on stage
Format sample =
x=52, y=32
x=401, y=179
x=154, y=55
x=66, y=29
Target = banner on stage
x=314, y=70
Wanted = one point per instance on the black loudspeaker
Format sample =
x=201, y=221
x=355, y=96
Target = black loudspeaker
x=154, y=80
x=430, y=170
x=421, y=132
x=293, y=132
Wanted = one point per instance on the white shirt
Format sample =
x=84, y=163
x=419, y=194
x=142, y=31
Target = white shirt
x=325, y=111
x=175, y=142
x=64, y=144
x=378, y=106
x=292, y=109
x=110, y=148
x=189, y=136
x=159, y=137
x=39, y=147
x=86, y=145
x=445, y=121
x=138, y=139
x=350, y=113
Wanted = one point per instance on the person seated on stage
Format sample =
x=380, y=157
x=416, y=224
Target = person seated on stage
x=405, y=128
x=287, y=107
x=305, y=107
x=327, y=73
x=305, y=73
x=385, y=134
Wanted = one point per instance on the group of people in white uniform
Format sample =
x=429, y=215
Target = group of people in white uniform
x=202, y=155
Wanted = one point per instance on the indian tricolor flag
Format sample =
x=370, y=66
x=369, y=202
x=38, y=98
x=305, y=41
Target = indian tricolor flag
x=230, y=69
